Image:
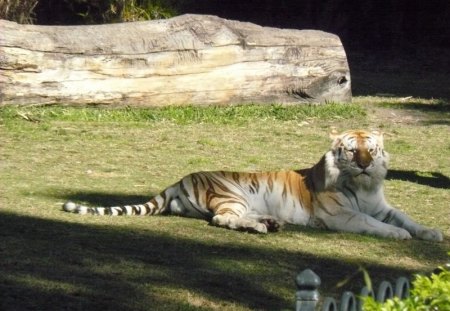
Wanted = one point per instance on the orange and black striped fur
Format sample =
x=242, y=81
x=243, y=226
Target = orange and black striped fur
x=343, y=192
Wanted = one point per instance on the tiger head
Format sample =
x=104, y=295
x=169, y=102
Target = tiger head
x=359, y=156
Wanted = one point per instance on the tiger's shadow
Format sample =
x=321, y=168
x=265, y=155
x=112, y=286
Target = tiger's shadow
x=107, y=198
x=431, y=179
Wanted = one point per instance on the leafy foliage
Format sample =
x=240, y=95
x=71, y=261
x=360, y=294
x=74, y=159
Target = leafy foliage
x=21, y=11
x=107, y=11
x=428, y=293
x=84, y=11
x=144, y=10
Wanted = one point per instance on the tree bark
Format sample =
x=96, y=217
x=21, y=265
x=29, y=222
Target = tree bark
x=189, y=59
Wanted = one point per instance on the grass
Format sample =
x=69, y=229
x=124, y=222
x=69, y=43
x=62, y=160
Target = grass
x=55, y=260
x=185, y=115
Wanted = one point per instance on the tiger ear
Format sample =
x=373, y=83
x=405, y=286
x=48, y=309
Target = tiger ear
x=334, y=134
x=380, y=137
x=336, y=138
x=377, y=133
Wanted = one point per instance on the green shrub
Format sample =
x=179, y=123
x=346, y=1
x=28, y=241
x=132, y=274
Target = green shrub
x=20, y=11
x=144, y=10
x=109, y=11
x=84, y=11
x=427, y=293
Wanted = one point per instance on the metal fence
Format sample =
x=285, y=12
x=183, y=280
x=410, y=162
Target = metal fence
x=307, y=295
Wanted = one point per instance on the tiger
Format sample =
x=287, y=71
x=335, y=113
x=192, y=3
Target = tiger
x=342, y=192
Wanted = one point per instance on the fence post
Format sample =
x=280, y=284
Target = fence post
x=307, y=294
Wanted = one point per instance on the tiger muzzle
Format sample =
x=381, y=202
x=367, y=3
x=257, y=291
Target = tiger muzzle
x=363, y=158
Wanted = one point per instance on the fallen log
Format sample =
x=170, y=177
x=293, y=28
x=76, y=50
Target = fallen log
x=189, y=59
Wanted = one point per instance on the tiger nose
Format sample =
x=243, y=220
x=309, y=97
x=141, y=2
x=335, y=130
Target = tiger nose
x=363, y=158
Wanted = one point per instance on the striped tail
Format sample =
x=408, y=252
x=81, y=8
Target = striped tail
x=156, y=205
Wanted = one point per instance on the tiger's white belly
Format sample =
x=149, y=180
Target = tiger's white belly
x=287, y=210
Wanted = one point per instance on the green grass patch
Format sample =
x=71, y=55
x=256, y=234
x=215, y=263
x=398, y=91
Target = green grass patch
x=185, y=114
x=99, y=156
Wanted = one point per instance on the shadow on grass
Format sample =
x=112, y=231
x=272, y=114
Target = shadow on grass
x=106, y=199
x=431, y=179
x=437, y=113
x=440, y=106
x=54, y=265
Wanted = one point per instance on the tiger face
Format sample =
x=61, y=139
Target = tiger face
x=360, y=155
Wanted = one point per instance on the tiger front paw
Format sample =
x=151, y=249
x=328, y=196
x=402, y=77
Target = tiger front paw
x=400, y=234
x=238, y=223
x=272, y=224
x=430, y=235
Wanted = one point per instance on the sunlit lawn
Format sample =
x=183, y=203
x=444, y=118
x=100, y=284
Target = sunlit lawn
x=51, y=260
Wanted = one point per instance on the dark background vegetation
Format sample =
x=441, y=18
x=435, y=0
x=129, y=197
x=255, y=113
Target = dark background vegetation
x=383, y=24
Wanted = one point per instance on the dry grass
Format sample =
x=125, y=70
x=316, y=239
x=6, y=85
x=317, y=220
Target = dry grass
x=20, y=11
x=55, y=260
